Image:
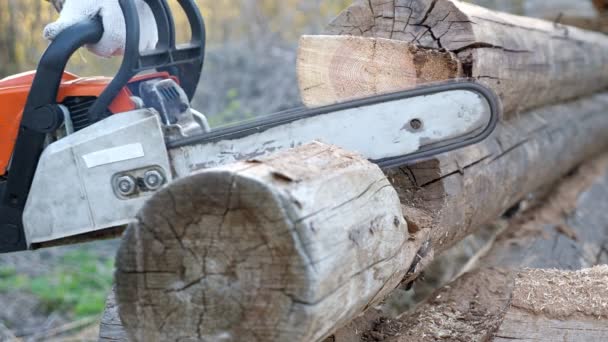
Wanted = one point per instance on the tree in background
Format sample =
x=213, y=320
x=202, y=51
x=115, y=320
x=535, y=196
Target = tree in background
x=250, y=64
x=20, y=48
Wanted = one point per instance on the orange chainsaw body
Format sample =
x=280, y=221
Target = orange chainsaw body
x=14, y=91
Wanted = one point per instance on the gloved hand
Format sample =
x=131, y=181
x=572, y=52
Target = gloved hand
x=113, y=40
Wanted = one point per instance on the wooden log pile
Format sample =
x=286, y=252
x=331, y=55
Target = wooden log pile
x=295, y=246
x=528, y=62
x=539, y=281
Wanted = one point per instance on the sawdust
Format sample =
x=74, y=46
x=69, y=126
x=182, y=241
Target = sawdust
x=417, y=219
x=563, y=294
x=354, y=330
x=473, y=307
x=469, y=309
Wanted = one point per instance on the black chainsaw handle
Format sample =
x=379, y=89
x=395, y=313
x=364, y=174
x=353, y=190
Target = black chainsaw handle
x=51, y=66
x=184, y=62
x=41, y=115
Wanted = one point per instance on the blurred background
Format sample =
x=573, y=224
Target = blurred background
x=249, y=70
x=251, y=52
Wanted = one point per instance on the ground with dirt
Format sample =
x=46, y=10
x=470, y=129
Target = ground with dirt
x=55, y=289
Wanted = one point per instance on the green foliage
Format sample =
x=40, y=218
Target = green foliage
x=77, y=285
x=9, y=279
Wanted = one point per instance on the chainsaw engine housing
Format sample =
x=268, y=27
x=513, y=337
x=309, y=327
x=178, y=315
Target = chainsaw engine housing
x=76, y=94
x=158, y=90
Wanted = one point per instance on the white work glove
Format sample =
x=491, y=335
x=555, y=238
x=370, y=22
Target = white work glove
x=112, y=42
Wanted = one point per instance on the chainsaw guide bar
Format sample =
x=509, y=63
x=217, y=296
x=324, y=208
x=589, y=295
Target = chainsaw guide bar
x=425, y=104
x=83, y=155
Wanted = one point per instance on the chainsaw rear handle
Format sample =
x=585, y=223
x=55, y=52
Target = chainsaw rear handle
x=41, y=115
x=184, y=62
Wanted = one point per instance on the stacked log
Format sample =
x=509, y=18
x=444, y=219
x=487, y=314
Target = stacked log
x=539, y=281
x=527, y=62
x=293, y=246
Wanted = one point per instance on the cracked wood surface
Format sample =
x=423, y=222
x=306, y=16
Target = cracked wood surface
x=526, y=287
x=286, y=248
x=528, y=62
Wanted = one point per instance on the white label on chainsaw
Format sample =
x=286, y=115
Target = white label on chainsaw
x=114, y=155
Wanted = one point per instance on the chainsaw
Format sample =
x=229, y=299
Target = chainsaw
x=82, y=155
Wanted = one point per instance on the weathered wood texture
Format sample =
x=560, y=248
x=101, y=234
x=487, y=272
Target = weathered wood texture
x=525, y=288
x=286, y=248
x=528, y=62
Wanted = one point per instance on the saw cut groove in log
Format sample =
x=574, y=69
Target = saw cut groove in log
x=286, y=248
x=527, y=62
x=562, y=298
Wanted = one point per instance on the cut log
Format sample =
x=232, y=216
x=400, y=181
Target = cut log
x=528, y=62
x=180, y=274
x=286, y=248
x=526, y=287
x=337, y=68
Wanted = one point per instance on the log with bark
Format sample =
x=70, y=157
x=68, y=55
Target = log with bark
x=197, y=261
x=333, y=68
x=528, y=62
x=237, y=252
x=536, y=282
x=278, y=249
